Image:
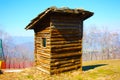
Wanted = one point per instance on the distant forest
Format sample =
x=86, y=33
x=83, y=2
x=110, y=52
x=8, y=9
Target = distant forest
x=17, y=54
x=101, y=44
x=97, y=45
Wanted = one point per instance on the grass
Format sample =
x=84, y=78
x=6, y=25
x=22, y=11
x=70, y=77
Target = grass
x=92, y=70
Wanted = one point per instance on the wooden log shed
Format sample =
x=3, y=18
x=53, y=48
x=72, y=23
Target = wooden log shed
x=58, y=39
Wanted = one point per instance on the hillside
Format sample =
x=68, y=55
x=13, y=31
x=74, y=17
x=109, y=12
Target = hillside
x=92, y=70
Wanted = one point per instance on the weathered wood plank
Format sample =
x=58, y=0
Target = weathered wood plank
x=59, y=63
x=66, y=42
x=65, y=35
x=47, y=29
x=64, y=65
x=59, y=70
x=65, y=59
x=45, y=66
x=65, y=27
x=47, y=49
x=47, y=54
x=44, y=58
x=45, y=61
x=66, y=49
x=65, y=31
x=66, y=55
x=65, y=39
x=43, y=31
x=66, y=23
x=40, y=51
x=65, y=46
x=43, y=34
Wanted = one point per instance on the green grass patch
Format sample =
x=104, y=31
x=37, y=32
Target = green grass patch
x=92, y=70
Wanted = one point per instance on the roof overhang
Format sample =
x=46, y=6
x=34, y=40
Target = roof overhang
x=51, y=10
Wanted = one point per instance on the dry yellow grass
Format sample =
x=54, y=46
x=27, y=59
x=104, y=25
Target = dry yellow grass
x=92, y=70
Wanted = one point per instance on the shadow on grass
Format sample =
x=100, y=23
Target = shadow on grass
x=86, y=68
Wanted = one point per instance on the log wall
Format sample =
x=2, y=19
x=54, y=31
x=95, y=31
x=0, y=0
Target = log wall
x=63, y=51
x=66, y=43
x=42, y=54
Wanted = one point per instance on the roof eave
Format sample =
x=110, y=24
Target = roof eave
x=35, y=20
x=85, y=14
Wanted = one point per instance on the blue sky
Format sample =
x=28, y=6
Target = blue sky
x=16, y=14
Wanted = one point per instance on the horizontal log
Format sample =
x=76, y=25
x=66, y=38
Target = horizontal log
x=65, y=27
x=66, y=49
x=65, y=39
x=66, y=36
x=39, y=35
x=44, y=58
x=47, y=48
x=44, y=53
x=48, y=40
x=64, y=65
x=37, y=45
x=43, y=28
x=53, y=31
x=43, y=36
x=38, y=42
x=65, y=46
x=41, y=56
x=59, y=70
x=40, y=39
x=44, y=31
x=60, y=30
x=66, y=42
x=44, y=48
x=66, y=59
x=59, y=63
x=65, y=55
x=64, y=33
x=45, y=67
x=44, y=61
x=65, y=24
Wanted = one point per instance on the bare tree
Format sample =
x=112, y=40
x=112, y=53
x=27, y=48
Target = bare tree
x=101, y=44
x=14, y=53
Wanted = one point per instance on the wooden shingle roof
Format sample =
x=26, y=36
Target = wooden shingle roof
x=54, y=10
